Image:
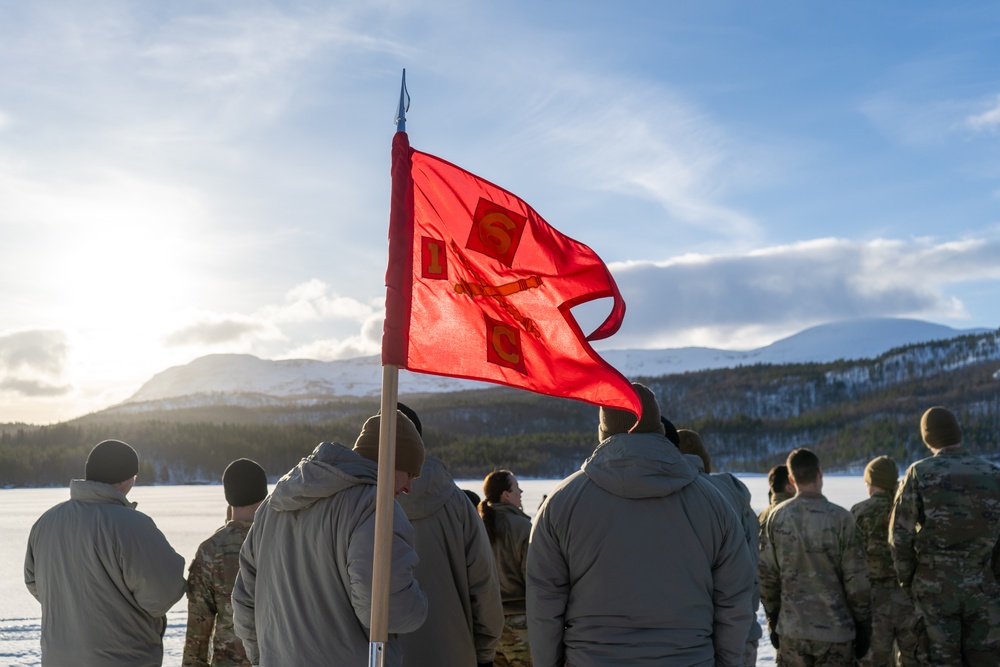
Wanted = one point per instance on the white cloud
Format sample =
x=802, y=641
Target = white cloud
x=655, y=146
x=744, y=301
x=33, y=363
x=367, y=342
x=224, y=331
x=987, y=121
x=313, y=301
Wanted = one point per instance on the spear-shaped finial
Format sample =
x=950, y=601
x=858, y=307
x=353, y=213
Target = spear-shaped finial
x=404, y=105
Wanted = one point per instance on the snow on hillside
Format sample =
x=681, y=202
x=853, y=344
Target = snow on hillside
x=260, y=381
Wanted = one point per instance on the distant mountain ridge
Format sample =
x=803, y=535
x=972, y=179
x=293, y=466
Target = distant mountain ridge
x=245, y=380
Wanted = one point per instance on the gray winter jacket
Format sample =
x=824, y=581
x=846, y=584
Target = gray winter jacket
x=738, y=495
x=106, y=577
x=638, y=560
x=303, y=593
x=464, y=613
x=512, y=530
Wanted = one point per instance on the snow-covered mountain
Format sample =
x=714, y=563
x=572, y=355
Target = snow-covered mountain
x=238, y=379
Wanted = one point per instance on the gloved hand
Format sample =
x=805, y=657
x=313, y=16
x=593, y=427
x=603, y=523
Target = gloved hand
x=862, y=638
x=772, y=626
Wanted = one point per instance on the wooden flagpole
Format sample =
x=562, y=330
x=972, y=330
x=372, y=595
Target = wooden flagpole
x=385, y=497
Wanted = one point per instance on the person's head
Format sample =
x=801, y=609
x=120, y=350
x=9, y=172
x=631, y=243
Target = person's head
x=804, y=470
x=615, y=420
x=691, y=444
x=670, y=431
x=881, y=474
x=412, y=416
x=473, y=496
x=501, y=486
x=409, y=449
x=939, y=428
x=778, y=482
x=112, y=462
x=245, y=485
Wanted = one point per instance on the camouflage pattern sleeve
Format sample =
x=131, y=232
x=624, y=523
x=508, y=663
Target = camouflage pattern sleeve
x=201, y=611
x=854, y=567
x=770, y=576
x=872, y=517
x=907, y=514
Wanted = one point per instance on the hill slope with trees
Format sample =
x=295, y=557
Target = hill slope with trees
x=750, y=417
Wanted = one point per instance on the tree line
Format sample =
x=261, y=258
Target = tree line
x=749, y=417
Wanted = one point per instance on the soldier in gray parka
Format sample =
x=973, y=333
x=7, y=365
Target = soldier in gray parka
x=104, y=573
x=637, y=559
x=456, y=570
x=303, y=595
x=738, y=495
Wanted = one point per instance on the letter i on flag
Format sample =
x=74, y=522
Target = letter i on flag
x=479, y=286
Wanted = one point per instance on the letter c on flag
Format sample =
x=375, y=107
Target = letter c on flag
x=500, y=334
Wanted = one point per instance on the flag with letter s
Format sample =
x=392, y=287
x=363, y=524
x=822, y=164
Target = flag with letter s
x=479, y=286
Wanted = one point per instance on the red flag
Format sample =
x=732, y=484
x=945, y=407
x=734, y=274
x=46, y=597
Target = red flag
x=479, y=286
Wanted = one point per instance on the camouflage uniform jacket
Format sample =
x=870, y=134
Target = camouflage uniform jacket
x=947, y=512
x=776, y=500
x=210, y=608
x=813, y=574
x=872, y=517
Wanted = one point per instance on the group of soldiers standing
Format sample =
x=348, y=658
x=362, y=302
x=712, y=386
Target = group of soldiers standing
x=908, y=577
x=643, y=556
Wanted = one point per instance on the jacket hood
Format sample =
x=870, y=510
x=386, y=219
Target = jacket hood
x=330, y=469
x=429, y=492
x=639, y=465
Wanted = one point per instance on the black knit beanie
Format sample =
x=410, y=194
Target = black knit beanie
x=111, y=461
x=409, y=412
x=244, y=482
x=670, y=431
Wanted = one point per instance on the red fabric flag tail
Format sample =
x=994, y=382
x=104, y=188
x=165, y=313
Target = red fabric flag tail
x=479, y=286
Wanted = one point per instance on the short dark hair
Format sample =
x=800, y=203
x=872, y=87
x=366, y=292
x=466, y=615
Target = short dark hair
x=803, y=465
x=777, y=479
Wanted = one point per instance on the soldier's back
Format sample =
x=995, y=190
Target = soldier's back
x=960, y=496
x=822, y=569
x=210, y=589
x=872, y=517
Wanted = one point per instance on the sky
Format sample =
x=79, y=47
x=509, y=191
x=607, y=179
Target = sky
x=189, y=178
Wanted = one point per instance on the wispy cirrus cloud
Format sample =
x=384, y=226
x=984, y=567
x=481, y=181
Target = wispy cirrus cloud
x=987, y=121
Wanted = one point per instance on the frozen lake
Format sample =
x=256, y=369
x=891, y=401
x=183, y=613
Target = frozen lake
x=189, y=514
